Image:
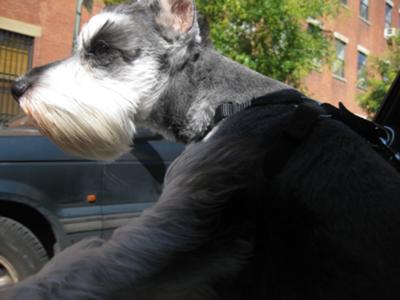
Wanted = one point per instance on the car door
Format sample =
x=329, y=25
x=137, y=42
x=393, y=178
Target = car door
x=34, y=171
x=134, y=182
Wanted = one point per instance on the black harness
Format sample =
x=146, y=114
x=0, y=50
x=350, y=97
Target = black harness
x=307, y=113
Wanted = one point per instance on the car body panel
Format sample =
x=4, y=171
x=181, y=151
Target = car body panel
x=35, y=172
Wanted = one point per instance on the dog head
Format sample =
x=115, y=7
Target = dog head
x=90, y=102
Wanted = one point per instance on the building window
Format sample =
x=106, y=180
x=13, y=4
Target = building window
x=339, y=63
x=344, y=2
x=388, y=15
x=15, y=60
x=364, y=9
x=362, y=70
x=315, y=29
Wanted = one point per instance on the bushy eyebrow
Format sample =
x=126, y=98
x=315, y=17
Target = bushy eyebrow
x=102, y=34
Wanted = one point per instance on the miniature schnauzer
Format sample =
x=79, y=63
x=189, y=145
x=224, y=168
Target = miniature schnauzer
x=325, y=226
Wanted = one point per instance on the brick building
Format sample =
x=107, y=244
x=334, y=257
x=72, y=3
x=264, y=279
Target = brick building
x=33, y=33
x=359, y=34
x=36, y=32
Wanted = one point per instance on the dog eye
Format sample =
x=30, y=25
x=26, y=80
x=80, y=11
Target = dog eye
x=102, y=54
x=100, y=48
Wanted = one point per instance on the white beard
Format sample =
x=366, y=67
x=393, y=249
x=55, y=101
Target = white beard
x=93, y=116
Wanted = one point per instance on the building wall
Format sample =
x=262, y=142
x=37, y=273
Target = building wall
x=322, y=84
x=55, y=18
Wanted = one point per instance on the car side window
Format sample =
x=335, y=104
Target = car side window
x=19, y=125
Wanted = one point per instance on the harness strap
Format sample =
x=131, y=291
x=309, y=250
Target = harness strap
x=307, y=113
x=299, y=127
x=381, y=138
x=369, y=130
x=228, y=109
x=282, y=97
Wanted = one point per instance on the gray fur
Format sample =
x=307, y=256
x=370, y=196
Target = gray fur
x=199, y=78
x=187, y=107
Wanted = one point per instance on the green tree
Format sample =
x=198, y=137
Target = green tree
x=380, y=75
x=110, y=2
x=270, y=36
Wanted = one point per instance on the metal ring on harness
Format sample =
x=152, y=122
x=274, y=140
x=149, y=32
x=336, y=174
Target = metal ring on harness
x=390, y=136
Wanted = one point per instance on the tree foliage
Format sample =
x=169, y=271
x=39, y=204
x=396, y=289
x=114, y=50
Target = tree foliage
x=269, y=36
x=381, y=73
x=111, y=2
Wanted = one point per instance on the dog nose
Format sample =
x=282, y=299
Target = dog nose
x=19, y=87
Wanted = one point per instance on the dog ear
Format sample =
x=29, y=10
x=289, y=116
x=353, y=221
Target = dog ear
x=179, y=15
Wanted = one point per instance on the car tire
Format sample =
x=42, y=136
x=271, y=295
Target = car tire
x=21, y=252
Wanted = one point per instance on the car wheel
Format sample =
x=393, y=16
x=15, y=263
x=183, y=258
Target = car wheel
x=21, y=253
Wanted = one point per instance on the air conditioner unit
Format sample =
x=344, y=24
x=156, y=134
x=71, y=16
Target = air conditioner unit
x=390, y=32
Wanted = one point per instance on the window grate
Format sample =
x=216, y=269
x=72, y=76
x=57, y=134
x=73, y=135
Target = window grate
x=15, y=59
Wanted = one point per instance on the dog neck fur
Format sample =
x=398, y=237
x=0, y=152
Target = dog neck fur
x=187, y=106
